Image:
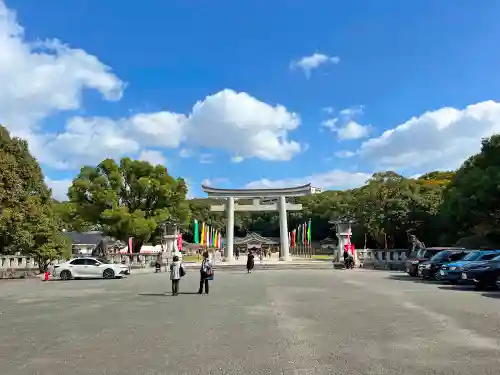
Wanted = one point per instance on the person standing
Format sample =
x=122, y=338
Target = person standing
x=250, y=262
x=175, y=275
x=237, y=253
x=346, y=259
x=206, y=273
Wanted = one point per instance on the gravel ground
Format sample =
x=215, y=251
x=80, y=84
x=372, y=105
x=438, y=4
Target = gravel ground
x=268, y=322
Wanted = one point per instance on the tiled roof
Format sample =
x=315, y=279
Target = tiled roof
x=85, y=238
x=255, y=238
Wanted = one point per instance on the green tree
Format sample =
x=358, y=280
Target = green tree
x=471, y=202
x=27, y=220
x=129, y=199
x=67, y=213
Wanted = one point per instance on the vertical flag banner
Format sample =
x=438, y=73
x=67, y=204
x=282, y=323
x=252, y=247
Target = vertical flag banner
x=202, y=239
x=299, y=234
x=304, y=234
x=309, y=233
x=179, y=242
x=130, y=244
x=195, y=230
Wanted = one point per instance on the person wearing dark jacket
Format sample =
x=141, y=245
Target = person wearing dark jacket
x=250, y=262
x=205, y=273
x=346, y=259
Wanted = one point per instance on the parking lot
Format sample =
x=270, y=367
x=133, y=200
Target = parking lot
x=268, y=322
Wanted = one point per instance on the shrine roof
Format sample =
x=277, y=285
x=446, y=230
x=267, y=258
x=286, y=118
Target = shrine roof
x=255, y=238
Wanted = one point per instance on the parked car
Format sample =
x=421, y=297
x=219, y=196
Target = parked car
x=430, y=269
x=424, y=255
x=484, y=276
x=452, y=272
x=95, y=268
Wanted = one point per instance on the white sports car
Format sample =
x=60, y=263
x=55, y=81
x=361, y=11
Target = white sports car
x=91, y=268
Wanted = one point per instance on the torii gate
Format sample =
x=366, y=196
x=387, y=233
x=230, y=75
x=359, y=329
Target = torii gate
x=267, y=195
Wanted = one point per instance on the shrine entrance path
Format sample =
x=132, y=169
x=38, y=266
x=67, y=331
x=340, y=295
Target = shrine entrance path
x=267, y=322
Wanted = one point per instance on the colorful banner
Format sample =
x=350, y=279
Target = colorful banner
x=195, y=232
x=202, y=239
x=130, y=245
x=309, y=233
x=179, y=242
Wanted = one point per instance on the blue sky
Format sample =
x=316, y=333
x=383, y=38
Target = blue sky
x=367, y=67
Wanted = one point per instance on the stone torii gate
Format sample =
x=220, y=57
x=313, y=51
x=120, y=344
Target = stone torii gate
x=263, y=200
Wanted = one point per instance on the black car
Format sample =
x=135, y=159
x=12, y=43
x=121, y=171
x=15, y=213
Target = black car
x=485, y=276
x=430, y=269
x=424, y=255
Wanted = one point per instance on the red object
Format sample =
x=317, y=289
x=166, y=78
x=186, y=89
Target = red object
x=46, y=276
x=130, y=245
x=179, y=242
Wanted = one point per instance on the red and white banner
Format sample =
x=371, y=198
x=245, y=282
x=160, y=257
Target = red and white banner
x=130, y=244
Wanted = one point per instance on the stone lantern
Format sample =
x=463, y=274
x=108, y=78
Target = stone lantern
x=170, y=236
x=343, y=229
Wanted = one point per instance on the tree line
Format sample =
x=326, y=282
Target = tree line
x=132, y=198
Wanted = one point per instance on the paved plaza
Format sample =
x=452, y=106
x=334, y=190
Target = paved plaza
x=267, y=322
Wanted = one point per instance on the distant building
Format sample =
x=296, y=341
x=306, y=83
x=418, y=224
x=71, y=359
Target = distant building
x=316, y=190
x=84, y=242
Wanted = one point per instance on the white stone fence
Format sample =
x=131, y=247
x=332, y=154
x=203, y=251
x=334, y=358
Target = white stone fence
x=13, y=266
x=393, y=259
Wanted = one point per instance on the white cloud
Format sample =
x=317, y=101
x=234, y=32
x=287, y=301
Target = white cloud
x=243, y=125
x=215, y=181
x=237, y=159
x=440, y=139
x=59, y=188
x=335, y=179
x=153, y=157
x=344, y=154
x=344, y=125
x=84, y=141
x=238, y=123
x=314, y=61
x=42, y=78
x=330, y=123
x=352, y=111
x=186, y=153
x=352, y=130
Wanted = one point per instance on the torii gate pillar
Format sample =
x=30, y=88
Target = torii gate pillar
x=285, y=246
x=268, y=203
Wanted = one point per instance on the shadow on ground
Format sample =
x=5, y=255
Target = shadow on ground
x=168, y=294
x=492, y=294
x=414, y=279
x=458, y=288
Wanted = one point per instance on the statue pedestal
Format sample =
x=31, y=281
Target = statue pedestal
x=170, y=239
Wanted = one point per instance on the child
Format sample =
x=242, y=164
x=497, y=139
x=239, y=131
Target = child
x=175, y=275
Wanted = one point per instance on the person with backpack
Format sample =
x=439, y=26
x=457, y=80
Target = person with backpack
x=176, y=273
x=206, y=273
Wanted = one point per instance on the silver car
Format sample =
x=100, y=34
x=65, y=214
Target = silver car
x=89, y=268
